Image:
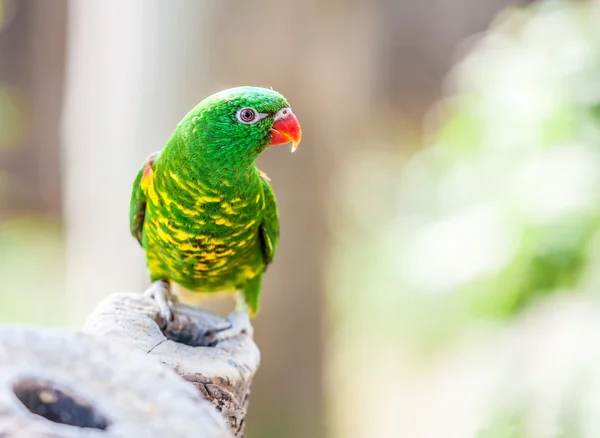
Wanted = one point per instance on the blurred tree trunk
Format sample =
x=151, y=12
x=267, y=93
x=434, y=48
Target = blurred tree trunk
x=32, y=38
x=134, y=69
x=32, y=46
x=307, y=49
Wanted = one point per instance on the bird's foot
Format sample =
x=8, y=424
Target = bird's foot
x=160, y=291
x=240, y=325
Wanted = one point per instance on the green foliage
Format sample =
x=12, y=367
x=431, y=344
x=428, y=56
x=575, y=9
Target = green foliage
x=499, y=210
x=31, y=269
x=13, y=124
x=509, y=423
x=7, y=12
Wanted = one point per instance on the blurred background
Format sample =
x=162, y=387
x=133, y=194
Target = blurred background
x=439, y=264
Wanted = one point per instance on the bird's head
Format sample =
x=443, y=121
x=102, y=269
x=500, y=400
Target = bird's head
x=236, y=125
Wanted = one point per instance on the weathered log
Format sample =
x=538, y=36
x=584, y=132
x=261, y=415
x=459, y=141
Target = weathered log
x=59, y=384
x=223, y=372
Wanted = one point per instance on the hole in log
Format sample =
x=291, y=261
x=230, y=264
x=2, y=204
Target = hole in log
x=188, y=334
x=60, y=405
x=190, y=330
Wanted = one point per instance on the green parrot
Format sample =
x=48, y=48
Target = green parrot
x=205, y=216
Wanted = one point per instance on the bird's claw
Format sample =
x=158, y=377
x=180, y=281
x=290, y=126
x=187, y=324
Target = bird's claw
x=160, y=292
x=240, y=325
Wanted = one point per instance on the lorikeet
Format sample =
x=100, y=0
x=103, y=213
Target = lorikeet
x=204, y=214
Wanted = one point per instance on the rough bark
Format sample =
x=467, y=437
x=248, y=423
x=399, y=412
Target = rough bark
x=223, y=373
x=59, y=384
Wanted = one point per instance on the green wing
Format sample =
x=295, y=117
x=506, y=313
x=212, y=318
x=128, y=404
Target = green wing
x=269, y=228
x=137, y=205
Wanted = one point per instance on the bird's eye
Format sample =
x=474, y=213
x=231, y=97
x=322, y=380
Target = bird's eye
x=247, y=115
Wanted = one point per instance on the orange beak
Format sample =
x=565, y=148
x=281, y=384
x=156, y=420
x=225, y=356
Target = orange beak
x=286, y=129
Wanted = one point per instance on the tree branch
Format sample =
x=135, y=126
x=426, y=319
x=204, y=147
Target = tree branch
x=59, y=384
x=223, y=373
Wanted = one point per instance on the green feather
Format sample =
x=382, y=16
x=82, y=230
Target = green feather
x=205, y=217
